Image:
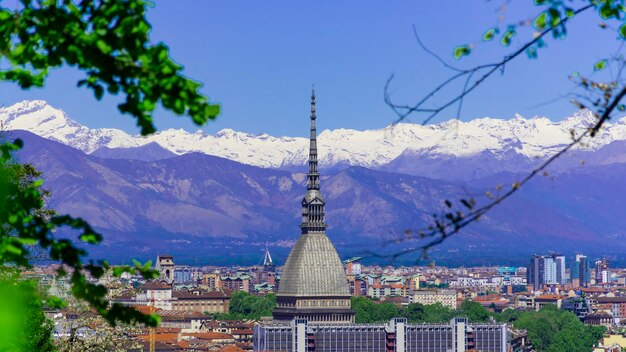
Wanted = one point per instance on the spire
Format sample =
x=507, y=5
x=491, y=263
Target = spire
x=313, y=203
x=313, y=178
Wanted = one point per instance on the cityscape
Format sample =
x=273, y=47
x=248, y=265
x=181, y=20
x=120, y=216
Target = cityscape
x=189, y=176
x=310, y=303
x=192, y=301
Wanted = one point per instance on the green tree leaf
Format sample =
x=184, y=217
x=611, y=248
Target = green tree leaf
x=600, y=65
x=461, y=50
x=540, y=21
x=490, y=34
x=507, y=36
x=622, y=31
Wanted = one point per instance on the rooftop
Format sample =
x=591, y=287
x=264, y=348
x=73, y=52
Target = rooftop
x=313, y=268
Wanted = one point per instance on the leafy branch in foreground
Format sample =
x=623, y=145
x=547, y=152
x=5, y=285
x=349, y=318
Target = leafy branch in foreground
x=25, y=225
x=109, y=41
x=20, y=298
x=602, y=99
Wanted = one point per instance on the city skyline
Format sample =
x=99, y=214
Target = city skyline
x=490, y=218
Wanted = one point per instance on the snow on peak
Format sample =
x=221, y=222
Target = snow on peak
x=534, y=137
x=39, y=117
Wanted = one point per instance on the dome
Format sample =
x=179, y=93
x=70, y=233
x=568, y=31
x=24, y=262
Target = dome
x=313, y=268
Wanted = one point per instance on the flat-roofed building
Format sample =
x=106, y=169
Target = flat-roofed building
x=445, y=297
x=397, y=335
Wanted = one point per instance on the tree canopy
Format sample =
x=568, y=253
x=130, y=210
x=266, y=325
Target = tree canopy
x=23, y=325
x=107, y=40
x=244, y=305
x=553, y=330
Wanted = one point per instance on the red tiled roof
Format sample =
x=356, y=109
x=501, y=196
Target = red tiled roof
x=230, y=348
x=488, y=298
x=146, y=309
x=243, y=332
x=201, y=294
x=162, y=337
x=209, y=335
x=156, y=285
x=549, y=297
x=180, y=313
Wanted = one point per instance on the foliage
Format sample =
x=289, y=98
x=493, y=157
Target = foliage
x=244, y=305
x=508, y=315
x=27, y=225
x=602, y=98
x=474, y=311
x=368, y=311
x=84, y=331
x=553, y=330
x=109, y=41
x=553, y=17
x=23, y=325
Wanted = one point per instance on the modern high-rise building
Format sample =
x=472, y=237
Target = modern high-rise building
x=535, y=272
x=574, y=272
x=602, y=270
x=313, y=301
x=580, y=270
x=559, y=261
x=313, y=284
x=546, y=270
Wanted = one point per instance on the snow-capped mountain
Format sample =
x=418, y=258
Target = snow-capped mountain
x=197, y=206
x=532, y=138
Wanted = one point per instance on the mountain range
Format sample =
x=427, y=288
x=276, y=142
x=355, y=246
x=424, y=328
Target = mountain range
x=510, y=145
x=210, y=199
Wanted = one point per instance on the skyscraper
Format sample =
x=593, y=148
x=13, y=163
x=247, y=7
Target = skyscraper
x=582, y=270
x=602, y=270
x=559, y=260
x=313, y=284
x=546, y=270
x=535, y=273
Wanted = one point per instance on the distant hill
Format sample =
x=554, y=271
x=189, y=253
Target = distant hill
x=147, y=152
x=207, y=209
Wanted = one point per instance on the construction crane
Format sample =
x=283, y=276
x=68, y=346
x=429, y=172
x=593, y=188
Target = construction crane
x=152, y=328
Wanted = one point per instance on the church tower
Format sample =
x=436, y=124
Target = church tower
x=313, y=283
x=165, y=267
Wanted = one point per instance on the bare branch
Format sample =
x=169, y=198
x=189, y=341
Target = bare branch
x=404, y=111
x=452, y=221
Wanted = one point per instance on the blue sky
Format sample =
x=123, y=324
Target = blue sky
x=259, y=58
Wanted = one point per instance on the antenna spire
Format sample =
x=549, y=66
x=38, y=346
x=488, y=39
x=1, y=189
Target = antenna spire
x=313, y=177
x=313, y=203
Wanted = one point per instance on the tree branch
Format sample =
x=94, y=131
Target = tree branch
x=404, y=111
